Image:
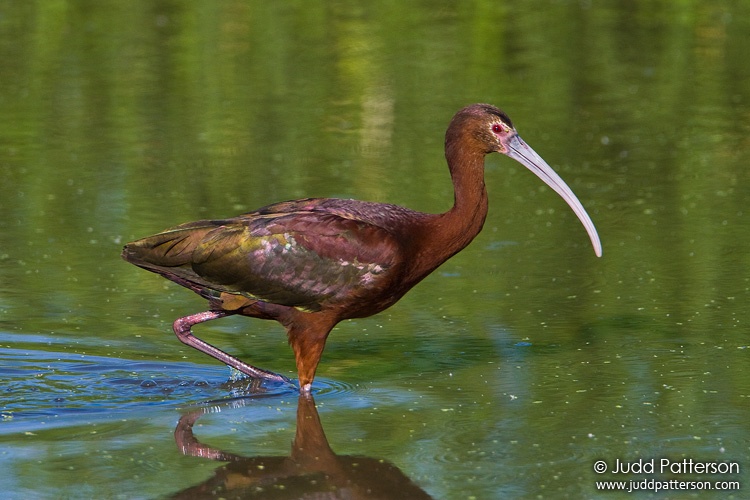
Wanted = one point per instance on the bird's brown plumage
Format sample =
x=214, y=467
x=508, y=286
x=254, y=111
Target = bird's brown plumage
x=313, y=262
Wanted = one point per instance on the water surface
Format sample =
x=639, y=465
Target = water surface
x=507, y=373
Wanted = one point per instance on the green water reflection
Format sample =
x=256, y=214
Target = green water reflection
x=509, y=371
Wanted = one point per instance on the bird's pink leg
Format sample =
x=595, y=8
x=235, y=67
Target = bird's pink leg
x=182, y=328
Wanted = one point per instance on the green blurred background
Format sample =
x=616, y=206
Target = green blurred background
x=508, y=371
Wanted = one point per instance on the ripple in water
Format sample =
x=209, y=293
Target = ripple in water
x=63, y=388
x=323, y=386
x=41, y=383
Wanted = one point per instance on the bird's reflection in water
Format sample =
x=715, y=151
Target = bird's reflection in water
x=312, y=470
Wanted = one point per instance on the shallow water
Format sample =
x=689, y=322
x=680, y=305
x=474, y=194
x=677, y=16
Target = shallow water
x=506, y=374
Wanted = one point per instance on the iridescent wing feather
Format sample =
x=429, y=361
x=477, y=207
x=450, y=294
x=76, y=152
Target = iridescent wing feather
x=303, y=259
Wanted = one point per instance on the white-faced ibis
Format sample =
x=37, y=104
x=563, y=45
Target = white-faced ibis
x=311, y=263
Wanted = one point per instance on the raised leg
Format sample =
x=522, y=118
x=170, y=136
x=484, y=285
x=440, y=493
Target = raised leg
x=182, y=328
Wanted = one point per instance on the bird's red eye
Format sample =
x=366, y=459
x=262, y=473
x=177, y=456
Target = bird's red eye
x=497, y=128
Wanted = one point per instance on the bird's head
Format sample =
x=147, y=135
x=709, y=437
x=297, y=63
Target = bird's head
x=486, y=129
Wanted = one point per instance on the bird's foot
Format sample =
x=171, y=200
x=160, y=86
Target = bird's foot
x=260, y=374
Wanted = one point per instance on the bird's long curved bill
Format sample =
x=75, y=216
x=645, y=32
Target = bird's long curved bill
x=522, y=153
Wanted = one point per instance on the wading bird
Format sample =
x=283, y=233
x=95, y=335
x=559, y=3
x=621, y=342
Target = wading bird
x=312, y=263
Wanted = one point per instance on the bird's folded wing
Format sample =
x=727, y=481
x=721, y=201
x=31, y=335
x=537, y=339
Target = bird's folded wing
x=297, y=259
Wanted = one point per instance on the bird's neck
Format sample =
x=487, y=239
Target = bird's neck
x=448, y=233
